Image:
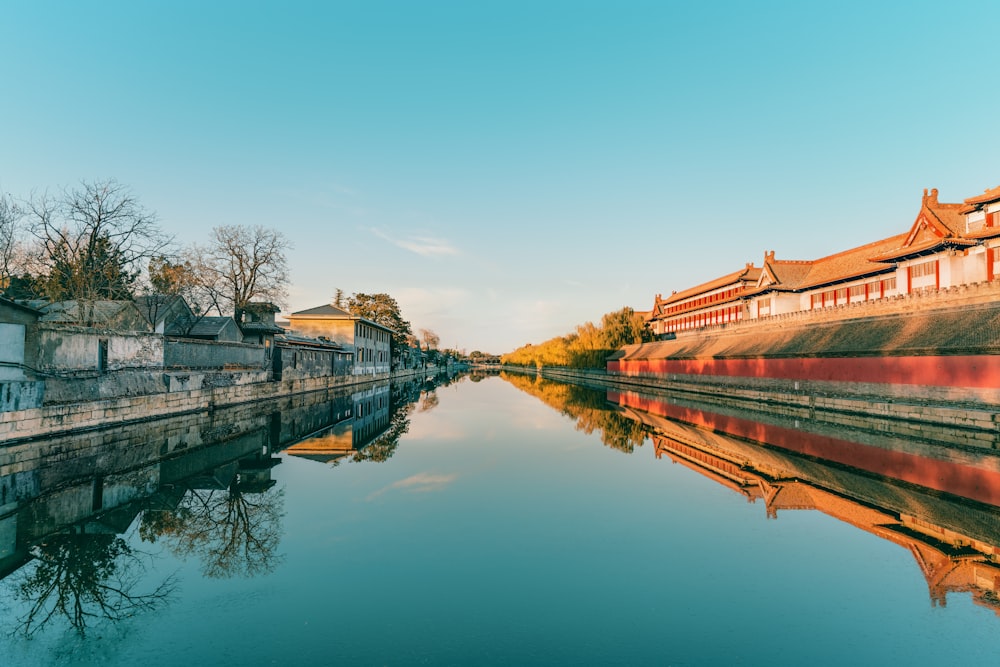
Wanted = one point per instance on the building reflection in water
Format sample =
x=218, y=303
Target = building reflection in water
x=198, y=485
x=939, y=501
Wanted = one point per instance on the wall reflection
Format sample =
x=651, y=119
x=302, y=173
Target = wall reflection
x=937, y=499
x=75, y=510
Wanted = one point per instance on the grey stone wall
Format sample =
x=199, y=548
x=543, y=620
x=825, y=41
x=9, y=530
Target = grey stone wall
x=64, y=349
x=21, y=395
x=189, y=353
x=297, y=363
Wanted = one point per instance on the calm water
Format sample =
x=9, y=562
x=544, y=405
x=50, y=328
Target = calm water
x=489, y=522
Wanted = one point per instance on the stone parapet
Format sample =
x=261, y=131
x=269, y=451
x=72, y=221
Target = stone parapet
x=48, y=420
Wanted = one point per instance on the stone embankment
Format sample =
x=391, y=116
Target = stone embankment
x=69, y=417
x=867, y=407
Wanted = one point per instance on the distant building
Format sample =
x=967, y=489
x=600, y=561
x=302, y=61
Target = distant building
x=370, y=342
x=218, y=329
x=164, y=311
x=108, y=315
x=17, y=324
x=258, y=324
x=946, y=246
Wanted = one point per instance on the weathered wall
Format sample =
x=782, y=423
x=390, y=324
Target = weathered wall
x=53, y=419
x=21, y=395
x=190, y=353
x=297, y=363
x=11, y=351
x=67, y=349
x=107, y=385
x=338, y=331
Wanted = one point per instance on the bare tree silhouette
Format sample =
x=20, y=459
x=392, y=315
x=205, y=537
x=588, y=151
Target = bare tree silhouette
x=233, y=532
x=84, y=579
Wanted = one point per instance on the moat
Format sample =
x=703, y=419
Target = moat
x=497, y=519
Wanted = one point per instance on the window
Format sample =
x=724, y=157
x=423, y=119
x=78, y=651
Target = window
x=925, y=269
x=102, y=355
x=923, y=276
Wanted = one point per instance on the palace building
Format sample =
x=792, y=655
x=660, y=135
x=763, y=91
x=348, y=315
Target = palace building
x=946, y=246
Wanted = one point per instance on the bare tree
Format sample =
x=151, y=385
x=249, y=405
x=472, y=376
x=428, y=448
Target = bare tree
x=234, y=532
x=431, y=339
x=83, y=579
x=94, y=240
x=10, y=219
x=240, y=264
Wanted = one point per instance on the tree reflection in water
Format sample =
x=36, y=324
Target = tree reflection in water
x=588, y=407
x=233, y=532
x=85, y=579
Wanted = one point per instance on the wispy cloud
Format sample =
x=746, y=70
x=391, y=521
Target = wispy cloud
x=423, y=482
x=427, y=246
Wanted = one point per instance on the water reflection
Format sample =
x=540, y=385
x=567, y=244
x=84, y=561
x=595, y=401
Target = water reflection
x=80, y=578
x=588, y=407
x=936, y=499
x=198, y=485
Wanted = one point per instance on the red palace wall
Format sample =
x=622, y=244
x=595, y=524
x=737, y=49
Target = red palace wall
x=977, y=371
x=962, y=480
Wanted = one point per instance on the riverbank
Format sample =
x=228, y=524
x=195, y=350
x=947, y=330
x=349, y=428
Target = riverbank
x=867, y=407
x=64, y=418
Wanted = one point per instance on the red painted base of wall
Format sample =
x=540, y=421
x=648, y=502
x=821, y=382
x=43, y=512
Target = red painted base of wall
x=978, y=371
x=961, y=480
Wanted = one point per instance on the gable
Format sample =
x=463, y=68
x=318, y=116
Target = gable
x=767, y=277
x=924, y=229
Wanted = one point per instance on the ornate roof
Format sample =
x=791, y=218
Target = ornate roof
x=748, y=274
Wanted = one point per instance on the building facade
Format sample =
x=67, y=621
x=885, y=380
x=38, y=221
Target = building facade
x=947, y=245
x=370, y=342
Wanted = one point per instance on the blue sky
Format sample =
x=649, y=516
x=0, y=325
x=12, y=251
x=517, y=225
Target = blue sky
x=508, y=170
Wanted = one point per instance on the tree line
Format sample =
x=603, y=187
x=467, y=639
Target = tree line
x=96, y=241
x=588, y=346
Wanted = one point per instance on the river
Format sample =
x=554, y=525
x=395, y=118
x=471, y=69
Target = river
x=489, y=520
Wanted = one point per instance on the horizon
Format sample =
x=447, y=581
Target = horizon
x=507, y=171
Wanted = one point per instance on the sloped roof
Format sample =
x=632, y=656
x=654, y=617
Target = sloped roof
x=936, y=226
x=990, y=195
x=852, y=263
x=747, y=274
x=203, y=327
x=100, y=312
x=330, y=312
x=261, y=327
x=298, y=340
x=326, y=311
x=950, y=216
x=159, y=306
x=20, y=306
x=788, y=273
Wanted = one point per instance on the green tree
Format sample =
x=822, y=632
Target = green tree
x=94, y=241
x=624, y=327
x=167, y=276
x=382, y=309
x=587, y=347
x=99, y=272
